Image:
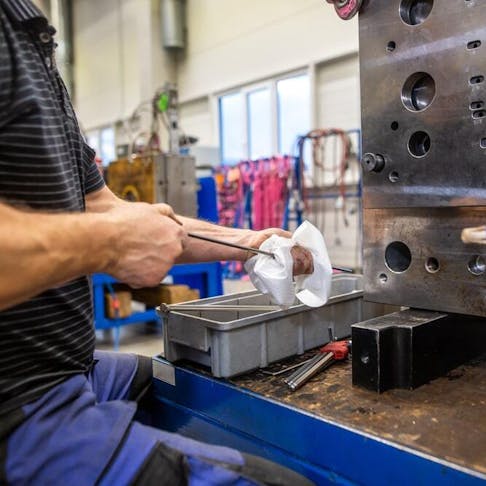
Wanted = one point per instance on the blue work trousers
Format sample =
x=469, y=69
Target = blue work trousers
x=82, y=432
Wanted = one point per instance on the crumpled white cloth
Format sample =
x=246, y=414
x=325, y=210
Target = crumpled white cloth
x=273, y=276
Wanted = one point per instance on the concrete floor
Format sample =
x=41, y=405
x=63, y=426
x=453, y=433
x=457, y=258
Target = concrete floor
x=146, y=339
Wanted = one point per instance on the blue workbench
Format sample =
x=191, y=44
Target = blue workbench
x=323, y=446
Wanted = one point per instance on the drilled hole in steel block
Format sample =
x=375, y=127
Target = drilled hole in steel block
x=394, y=126
x=391, y=46
x=476, y=79
x=474, y=44
x=414, y=12
x=477, y=265
x=479, y=114
x=419, y=144
x=383, y=277
x=418, y=92
x=432, y=265
x=477, y=105
x=398, y=257
x=482, y=143
x=393, y=176
x=365, y=358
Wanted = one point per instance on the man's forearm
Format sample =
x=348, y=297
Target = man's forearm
x=194, y=250
x=199, y=251
x=39, y=251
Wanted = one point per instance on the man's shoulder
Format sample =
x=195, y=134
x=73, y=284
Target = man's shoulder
x=21, y=10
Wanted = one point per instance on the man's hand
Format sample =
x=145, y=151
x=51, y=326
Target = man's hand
x=258, y=237
x=303, y=260
x=146, y=243
x=166, y=210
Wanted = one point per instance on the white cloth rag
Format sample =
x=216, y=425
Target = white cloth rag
x=273, y=276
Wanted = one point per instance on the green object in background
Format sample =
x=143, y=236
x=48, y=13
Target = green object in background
x=163, y=102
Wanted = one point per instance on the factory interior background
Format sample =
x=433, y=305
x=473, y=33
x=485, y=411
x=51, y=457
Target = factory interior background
x=251, y=78
x=258, y=114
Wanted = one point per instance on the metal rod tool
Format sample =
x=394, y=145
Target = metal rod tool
x=232, y=245
x=216, y=307
x=331, y=352
x=241, y=247
x=307, y=371
x=286, y=369
x=343, y=269
x=220, y=242
x=253, y=250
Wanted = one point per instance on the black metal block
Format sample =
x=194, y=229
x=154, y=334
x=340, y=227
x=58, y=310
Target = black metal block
x=409, y=348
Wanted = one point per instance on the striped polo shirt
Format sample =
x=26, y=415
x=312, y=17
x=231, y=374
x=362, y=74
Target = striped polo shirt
x=45, y=165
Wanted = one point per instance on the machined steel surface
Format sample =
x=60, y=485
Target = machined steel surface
x=440, y=272
x=159, y=178
x=423, y=92
x=177, y=183
x=317, y=364
x=423, y=88
x=409, y=348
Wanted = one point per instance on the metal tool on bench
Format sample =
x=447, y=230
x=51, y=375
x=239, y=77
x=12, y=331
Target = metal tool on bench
x=223, y=308
x=286, y=369
x=327, y=355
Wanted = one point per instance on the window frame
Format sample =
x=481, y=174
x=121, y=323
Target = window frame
x=97, y=133
x=245, y=91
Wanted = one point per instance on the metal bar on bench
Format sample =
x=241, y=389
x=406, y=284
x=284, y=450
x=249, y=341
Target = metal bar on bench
x=216, y=307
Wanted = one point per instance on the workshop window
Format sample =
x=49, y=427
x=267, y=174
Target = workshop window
x=260, y=123
x=265, y=119
x=107, y=142
x=102, y=141
x=233, y=129
x=294, y=111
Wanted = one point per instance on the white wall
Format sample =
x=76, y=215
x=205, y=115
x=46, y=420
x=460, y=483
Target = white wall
x=338, y=94
x=118, y=58
x=197, y=118
x=232, y=42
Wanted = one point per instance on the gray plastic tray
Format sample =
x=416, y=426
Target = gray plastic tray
x=234, y=342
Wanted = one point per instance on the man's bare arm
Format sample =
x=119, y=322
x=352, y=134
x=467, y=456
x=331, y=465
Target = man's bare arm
x=199, y=251
x=39, y=251
x=202, y=251
x=195, y=250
